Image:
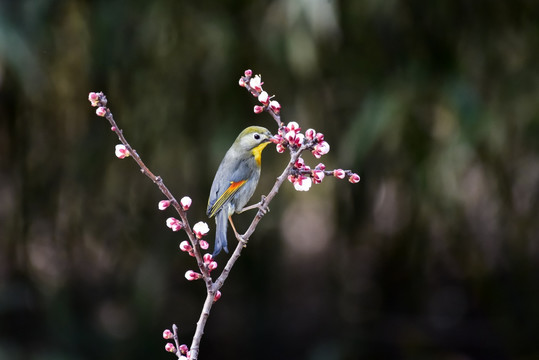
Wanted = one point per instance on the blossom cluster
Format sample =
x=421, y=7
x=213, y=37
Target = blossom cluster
x=255, y=84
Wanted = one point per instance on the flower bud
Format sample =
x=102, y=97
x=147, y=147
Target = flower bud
x=185, y=246
x=174, y=224
x=241, y=82
x=207, y=258
x=319, y=137
x=186, y=202
x=318, y=176
x=217, y=296
x=320, y=166
x=200, y=229
x=256, y=83
x=170, y=348
x=248, y=73
x=163, y=204
x=192, y=275
x=293, y=126
x=212, y=265
x=263, y=98
x=121, y=151
x=310, y=134
x=258, y=109
x=184, y=349
x=101, y=111
x=167, y=334
x=204, y=245
x=275, y=106
x=280, y=148
x=339, y=173
x=354, y=178
x=93, y=98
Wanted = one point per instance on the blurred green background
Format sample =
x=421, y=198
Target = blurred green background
x=433, y=255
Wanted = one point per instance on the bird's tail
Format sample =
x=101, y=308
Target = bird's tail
x=221, y=222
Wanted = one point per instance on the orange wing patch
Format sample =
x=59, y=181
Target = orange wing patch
x=232, y=189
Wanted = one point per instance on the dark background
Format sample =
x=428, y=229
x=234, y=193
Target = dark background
x=433, y=255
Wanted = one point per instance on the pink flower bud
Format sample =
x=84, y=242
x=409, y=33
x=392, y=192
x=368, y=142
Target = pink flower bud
x=300, y=163
x=320, y=149
x=191, y=275
x=167, y=334
x=294, y=138
x=319, y=137
x=207, y=258
x=291, y=178
x=163, y=204
x=303, y=183
x=186, y=202
x=204, y=244
x=248, y=73
x=121, y=151
x=280, y=148
x=93, y=98
x=184, y=349
x=318, y=176
x=256, y=83
x=258, y=109
x=212, y=265
x=170, y=348
x=113, y=128
x=320, y=166
x=275, y=106
x=354, y=178
x=217, y=296
x=293, y=126
x=339, y=173
x=241, y=82
x=174, y=224
x=185, y=246
x=101, y=111
x=263, y=98
x=200, y=229
x=310, y=134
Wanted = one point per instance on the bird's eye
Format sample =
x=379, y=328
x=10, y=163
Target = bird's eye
x=256, y=136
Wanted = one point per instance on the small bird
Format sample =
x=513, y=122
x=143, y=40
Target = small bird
x=236, y=180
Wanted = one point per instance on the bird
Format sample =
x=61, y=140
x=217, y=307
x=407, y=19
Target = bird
x=235, y=181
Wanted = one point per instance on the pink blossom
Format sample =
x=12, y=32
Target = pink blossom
x=319, y=137
x=200, y=229
x=256, y=83
x=241, y=82
x=293, y=126
x=318, y=176
x=170, y=348
x=275, y=106
x=207, y=258
x=163, y=204
x=303, y=183
x=121, y=151
x=167, y=334
x=185, y=246
x=186, y=202
x=212, y=265
x=192, y=275
x=217, y=296
x=248, y=72
x=354, y=178
x=300, y=163
x=101, y=111
x=310, y=134
x=320, y=166
x=320, y=149
x=294, y=138
x=280, y=148
x=339, y=173
x=263, y=98
x=204, y=244
x=174, y=224
x=258, y=109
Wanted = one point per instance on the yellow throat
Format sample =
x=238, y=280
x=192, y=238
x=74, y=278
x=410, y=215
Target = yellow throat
x=257, y=152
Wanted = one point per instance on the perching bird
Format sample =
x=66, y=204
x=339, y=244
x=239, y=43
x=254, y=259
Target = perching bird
x=236, y=180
